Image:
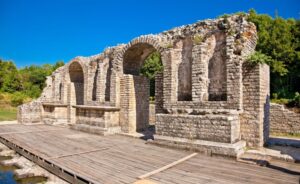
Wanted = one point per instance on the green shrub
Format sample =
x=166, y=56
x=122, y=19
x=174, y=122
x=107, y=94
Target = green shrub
x=17, y=99
x=198, y=39
x=282, y=101
x=152, y=99
x=295, y=102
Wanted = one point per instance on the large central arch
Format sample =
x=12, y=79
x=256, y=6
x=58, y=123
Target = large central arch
x=77, y=79
x=135, y=88
x=135, y=56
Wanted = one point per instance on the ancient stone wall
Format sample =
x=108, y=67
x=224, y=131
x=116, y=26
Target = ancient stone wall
x=283, y=120
x=54, y=114
x=30, y=113
x=33, y=112
x=206, y=90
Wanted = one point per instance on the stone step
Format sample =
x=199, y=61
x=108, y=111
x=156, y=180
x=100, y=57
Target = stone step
x=210, y=148
x=281, y=153
x=92, y=123
x=96, y=129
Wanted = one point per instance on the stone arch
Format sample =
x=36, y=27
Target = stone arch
x=135, y=89
x=150, y=42
x=76, y=75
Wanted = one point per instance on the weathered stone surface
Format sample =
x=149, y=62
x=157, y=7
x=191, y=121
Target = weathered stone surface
x=283, y=120
x=217, y=128
x=206, y=91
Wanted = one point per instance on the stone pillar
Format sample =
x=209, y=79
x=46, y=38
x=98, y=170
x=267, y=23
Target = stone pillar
x=127, y=105
x=134, y=114
x=199, y=73
x=102, y=80
x=115, y=84
x=100, y=87
x=234, y=75
x=170, y=59
x=255, y=116
x=71, y=102
x=159, y=94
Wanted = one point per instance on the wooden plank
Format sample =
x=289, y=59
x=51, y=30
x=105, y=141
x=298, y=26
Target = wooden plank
x=128, y=158
x=80, y=153
x=167, y=166
x=236, y=166
x=241, y=169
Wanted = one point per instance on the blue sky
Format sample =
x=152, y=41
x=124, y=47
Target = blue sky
x=45, y=31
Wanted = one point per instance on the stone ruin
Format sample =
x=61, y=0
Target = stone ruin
x=207, y=98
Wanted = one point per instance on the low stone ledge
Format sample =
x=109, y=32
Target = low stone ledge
x=207, y=147
x=104, y=108
x=54, y=104
x=95, y=129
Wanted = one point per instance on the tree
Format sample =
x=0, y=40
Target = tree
x=278, y=39
x=9, y=77
x=29, y=81
x=151, y=66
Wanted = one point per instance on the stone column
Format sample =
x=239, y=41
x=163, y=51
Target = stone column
x=200, y=73
x=71, y=102
x=170, y=59
x=234, y=75
x=159, y=94
x=127, y=104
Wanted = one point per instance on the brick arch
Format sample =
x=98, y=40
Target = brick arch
x=145, y=41
x=83, y=67
x=76, y=76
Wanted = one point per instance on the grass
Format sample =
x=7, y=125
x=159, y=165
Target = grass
x=289, y=135
x=8, y=114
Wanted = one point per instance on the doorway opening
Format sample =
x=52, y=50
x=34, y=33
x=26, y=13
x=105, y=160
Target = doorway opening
x=142, y=64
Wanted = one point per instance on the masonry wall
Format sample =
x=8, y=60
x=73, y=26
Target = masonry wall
x=254, y=119
x=30, y=113
x=90, y=117
x=283, y=120
x=217, y=128
x=54, y=114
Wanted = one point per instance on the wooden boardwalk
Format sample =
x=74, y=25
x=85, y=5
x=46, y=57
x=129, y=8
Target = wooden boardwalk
x=120, y=159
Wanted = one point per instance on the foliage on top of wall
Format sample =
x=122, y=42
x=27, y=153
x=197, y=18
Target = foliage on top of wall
x=197, y=39
x=276, y=66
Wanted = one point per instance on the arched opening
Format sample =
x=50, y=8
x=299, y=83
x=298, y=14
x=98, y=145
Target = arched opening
x=77, y=79
x=141, y=67
x=217, y=88
x=184, y=84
